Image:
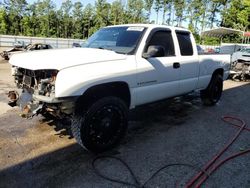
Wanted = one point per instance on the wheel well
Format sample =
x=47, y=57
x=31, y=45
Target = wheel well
x=218, y=71
x=117, y=89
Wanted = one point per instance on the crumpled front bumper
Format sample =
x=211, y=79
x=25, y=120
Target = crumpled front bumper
x=33, y=104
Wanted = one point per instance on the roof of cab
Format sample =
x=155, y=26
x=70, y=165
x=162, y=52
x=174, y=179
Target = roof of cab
x=151, y=26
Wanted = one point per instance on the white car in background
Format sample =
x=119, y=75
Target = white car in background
x=242, y=55
x=240, y=65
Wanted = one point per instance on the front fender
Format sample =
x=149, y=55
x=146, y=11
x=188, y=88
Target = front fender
x=74, y=81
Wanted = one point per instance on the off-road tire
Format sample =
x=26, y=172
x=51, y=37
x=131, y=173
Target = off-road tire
x=212, y=94
x=108, y=114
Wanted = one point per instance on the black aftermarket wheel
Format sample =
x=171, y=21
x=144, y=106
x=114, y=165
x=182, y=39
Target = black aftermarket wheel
x=212, y=94
x=102, y=126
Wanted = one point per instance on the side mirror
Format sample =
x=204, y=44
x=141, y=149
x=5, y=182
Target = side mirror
x=154, y=51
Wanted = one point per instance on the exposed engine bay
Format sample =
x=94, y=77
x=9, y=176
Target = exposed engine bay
x=240, y=71
x=41, y=82
x=38, y=93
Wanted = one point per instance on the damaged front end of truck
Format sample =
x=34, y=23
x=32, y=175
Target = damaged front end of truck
x=36, y=94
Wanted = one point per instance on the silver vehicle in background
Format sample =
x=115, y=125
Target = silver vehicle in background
x=243, y=55
x=19, y=47
x=240, y=67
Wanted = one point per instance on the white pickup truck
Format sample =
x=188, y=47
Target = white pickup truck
x=118, y=68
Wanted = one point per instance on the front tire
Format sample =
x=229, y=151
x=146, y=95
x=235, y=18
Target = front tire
x=102, y=126
x=212, y=94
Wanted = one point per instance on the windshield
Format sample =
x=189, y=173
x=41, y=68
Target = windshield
x=119, y=39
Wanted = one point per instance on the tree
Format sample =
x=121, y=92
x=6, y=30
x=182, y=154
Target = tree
x=15, y=11
x=3, y=21
x=179, y=11
x=194, y=12
x=135, y=11
x=117, y=11
x=237, y=16
x=165, y=7
x=102, y=16
x=204, y=13
x=66, y=19
x=157, y=8
x=43, y=11
x=88, y=21
x=170, y=8
x=148, y=7
x=42, y=18
x=215, y=8
x=32, y=19
x=78, y=20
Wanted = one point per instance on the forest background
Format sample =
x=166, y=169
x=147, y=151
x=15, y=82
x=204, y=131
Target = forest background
x=80, y=19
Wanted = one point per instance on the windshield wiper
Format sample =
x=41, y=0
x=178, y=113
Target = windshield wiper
x=104, y=47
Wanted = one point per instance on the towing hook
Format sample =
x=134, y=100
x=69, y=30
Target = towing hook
x=13, y=97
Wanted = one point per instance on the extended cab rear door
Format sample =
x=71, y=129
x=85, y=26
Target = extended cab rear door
x=158, y=77
x=188, y=60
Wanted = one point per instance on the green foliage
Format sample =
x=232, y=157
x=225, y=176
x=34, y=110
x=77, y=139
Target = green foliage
x=148, y=7
x=211, y=40
x=3, y=21
x=157, y=7
x=117, y=12
x=237, y=16
x=179, y=11
x=233, y=38
x=135, y=11
x=77, y=21
x=43, y=18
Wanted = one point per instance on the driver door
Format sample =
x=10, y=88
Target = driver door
x=158, y=77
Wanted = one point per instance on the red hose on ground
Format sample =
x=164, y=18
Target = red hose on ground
x=227, y=118
x=211, y=162
x=220, y=164
x=203, y=174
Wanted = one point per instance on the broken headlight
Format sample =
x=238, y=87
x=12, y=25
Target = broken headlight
x=46, y=86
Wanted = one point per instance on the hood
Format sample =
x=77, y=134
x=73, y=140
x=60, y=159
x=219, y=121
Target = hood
x=62, y=58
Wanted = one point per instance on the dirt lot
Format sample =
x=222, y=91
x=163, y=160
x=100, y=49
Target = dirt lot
x=42, y=153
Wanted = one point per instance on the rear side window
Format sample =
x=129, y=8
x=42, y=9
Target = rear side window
x=185, y=43
x=164, y=39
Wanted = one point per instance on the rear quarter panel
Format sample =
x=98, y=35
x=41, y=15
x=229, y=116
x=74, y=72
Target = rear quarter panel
x=208, y=64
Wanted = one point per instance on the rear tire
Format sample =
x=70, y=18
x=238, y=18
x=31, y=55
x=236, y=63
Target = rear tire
x=102, y=126
x=212, y=94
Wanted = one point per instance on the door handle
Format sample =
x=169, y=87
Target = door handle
x=176, y=65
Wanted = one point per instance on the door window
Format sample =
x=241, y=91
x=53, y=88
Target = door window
x=163, y=39
x=185, y=43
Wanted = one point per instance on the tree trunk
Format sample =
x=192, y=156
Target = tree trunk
x=157, y=14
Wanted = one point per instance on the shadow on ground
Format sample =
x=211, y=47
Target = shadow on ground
x=149, y=127
x=48, y=169
x=61, y=126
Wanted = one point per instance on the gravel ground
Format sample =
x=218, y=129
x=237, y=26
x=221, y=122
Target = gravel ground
x=42, y=153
